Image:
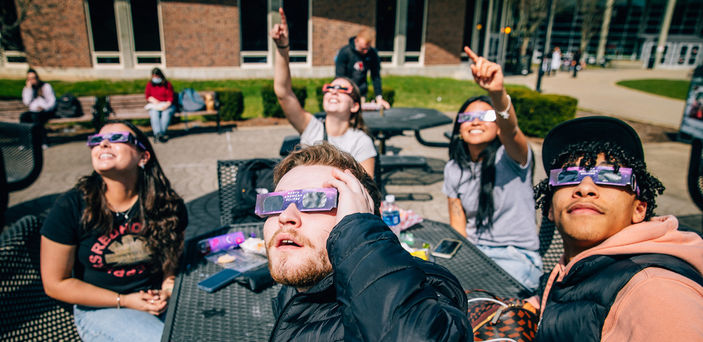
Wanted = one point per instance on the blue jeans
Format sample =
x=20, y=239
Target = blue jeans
x=524, y=265
x=160, y=119
x=111, y=324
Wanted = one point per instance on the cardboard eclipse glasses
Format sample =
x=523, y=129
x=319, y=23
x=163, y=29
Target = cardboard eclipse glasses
x=602, y=175
x=324, y=199
x=114, y=137
x=483, y=115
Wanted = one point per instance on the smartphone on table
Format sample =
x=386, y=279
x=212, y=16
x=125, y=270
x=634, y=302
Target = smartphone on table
x=218, y=280
x=446, y=248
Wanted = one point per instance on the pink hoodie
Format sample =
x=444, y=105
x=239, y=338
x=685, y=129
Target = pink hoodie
x=656, y=304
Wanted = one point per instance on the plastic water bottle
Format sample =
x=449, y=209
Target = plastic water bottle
x=391, y=214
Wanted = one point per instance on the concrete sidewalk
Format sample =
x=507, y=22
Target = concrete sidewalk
x=189, y=160
x=597, y=93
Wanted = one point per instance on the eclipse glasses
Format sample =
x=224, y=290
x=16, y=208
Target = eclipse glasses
x=114, y=137
x=602, y=175
x=336, y=87
x=272, y=203
x=483, y=115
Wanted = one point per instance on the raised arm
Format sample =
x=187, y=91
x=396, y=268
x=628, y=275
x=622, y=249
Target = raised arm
x=489, y=76
x=282, y=86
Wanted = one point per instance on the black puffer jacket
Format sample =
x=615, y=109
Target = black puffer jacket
x=377, y=292
x=352, y=64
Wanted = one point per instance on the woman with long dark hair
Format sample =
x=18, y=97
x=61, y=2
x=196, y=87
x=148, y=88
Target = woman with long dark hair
x=40, y=99
x=161, y=104
x=343, y=126
x=488, y=179
x=111, y=244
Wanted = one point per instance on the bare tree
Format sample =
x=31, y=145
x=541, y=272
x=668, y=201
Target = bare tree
x=10, y=19
x=591, y=17
x=531, y=15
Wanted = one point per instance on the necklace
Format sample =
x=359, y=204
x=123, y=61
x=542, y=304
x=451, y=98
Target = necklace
x=125, y=215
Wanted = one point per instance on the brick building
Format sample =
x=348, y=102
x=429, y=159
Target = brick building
x=227, y=38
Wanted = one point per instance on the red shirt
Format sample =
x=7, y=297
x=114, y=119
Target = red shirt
x=158, y=92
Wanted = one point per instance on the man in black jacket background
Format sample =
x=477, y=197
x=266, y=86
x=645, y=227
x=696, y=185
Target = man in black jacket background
x=346, y=276
x=356, y=59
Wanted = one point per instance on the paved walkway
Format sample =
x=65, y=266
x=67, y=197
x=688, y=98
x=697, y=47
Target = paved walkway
x=190, y=160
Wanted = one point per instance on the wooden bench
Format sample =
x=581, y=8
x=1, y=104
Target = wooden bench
x=131, y=106
x=10, y=111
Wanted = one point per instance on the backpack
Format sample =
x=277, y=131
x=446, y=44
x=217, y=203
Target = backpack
x=253, y=176
x=68, y=106
x=190, y=100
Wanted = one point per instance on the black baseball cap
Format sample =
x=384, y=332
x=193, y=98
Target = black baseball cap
x=591, y=128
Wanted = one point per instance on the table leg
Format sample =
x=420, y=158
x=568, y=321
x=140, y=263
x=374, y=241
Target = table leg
x=429, y=143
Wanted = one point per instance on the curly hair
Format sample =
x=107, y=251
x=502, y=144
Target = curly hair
x=459, y=152
x=327, y=155
x=649, y=185
x=162, y=211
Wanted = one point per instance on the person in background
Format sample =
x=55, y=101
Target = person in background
x=356, y=59
x=41, y=100
x=111, y=245
x=488, y=179
x=161, y=105
x=343, y=126
x=625, y=275
x=556, y=60
x=576, y=63
x=345, y=275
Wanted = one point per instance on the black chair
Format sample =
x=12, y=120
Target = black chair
x=695, y=173
x=26, y=312
x=227, y=187
x=22, y=155
x=551, y=249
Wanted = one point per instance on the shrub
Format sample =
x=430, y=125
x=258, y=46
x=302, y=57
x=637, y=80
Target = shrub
x=271, y=106
x=231, y=104
x=538, y=113
x=388, y=95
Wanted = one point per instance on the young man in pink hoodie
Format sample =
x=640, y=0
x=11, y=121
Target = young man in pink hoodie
x=625, y=275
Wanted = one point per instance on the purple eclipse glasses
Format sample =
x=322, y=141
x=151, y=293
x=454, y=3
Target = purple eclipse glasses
x=483, y=115
x=114, y=137
x=305, y=200
x=602, y=175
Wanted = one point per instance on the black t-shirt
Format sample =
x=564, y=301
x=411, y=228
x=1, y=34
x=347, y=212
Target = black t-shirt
x=119, y=261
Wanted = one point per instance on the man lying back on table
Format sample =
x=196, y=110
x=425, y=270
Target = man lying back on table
x=345, y=275
x=625, y=275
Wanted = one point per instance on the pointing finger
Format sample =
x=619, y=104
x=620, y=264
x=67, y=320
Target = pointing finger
x=283, y=16
x=471, y=54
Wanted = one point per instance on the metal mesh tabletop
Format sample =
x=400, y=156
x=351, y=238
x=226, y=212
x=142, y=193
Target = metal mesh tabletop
x=405, y=119
x=235, y=313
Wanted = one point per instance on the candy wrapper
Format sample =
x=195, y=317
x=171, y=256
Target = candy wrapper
x=408, y=219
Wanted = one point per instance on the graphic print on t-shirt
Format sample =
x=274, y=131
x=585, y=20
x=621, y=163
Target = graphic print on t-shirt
x=359, y=66
x=122, y=253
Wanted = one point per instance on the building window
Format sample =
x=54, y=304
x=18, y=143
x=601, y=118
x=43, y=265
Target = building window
x=103, y=29
x=385, y=29
x=125, y=33
x=414, y=30
x=145, y=29
x=12, y=46
x=254, y=28
x=297, y=14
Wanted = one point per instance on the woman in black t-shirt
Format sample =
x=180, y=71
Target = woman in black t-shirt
x=111, y=245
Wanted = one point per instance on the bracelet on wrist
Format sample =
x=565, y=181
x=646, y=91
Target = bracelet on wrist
x=282, y=46
x=505, y=114
x=118, y=301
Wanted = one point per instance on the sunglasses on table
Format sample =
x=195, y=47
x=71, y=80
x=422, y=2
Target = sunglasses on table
x=602, y=175
x=114, y=137
x=336, y=87
x=272, y=203
x=483, y=115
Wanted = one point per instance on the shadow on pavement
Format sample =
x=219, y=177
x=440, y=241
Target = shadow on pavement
x=39, y=206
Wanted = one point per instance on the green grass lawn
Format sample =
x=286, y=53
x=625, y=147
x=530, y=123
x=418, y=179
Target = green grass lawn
x=675, y=89
x=444, y=94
